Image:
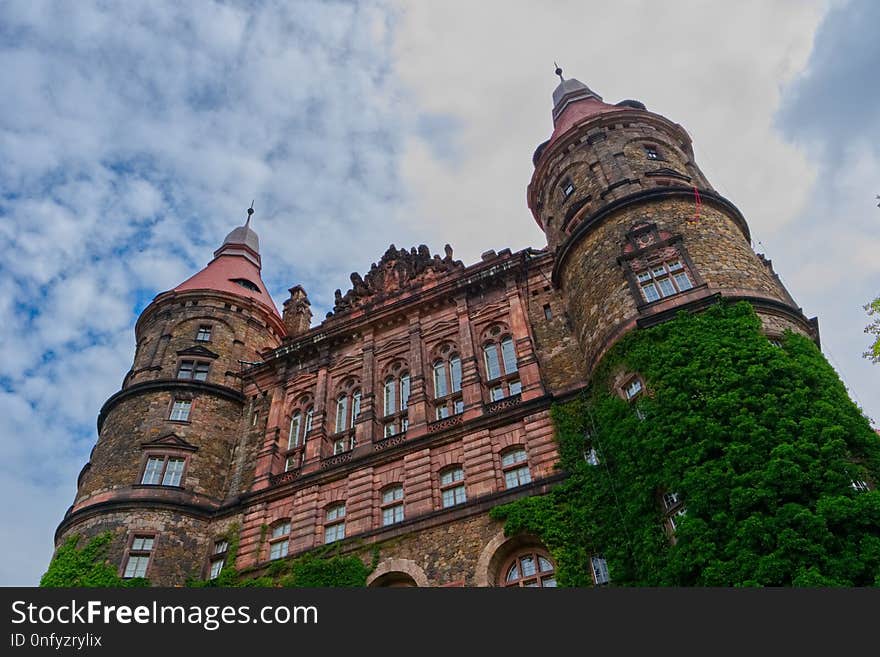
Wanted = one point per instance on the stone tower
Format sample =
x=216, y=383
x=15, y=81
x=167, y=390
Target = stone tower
x=637, y=230
x=169, y=446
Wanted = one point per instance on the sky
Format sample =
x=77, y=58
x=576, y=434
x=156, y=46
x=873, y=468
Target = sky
x=133, y=136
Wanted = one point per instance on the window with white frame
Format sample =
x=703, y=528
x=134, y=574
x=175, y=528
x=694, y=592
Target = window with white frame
x=663, y=280
x=218, y=558
x=502, y=371
x=395, y=400
x=860, y=485
x=279, y=540
x=392, y=504
x=180, y=409
x=446, y=369
x=567, y=188
x=139, y=556
x=300, y=426
x=530, y=569
x=633, y=388
x=163, y=470
x=452, y=488
x=514, y=465
x=334, y=523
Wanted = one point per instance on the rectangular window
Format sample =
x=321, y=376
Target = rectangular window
x=216, y=567
x=567, y=188
x=278, y=550
x=138, y=557
x=404, y=392
x=860, y=486
x=515, y=387
x=392, y=494
x=600, y=570
x=404, y=425
x=651, y=153
x=220, y=547
x=440, y=380
x=497, y=393
x=334, y=523
x=517, y=477
x=291, y=463
x=392, y=515
x=204, y=333
x=341, y=412
x=455, y=369
x=153, y=471
x=591, y=456
x=664, y=280
x=293, y=435
x=343, y=445
x=633, y=388
x=548, y=313
x=390, y=397
x=173, y=472
x=458, y=406
x=390, y=429
x=508, y=354
x=355, y=408
x=191, y=369
x=493, y=367
x=180, y=410
x=453, y=496
x=442, y=412
x=670, y=500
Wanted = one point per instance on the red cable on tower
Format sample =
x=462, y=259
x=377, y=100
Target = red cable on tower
x=698, y=203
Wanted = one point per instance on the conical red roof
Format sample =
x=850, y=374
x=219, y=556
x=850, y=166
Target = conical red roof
x=235, y=269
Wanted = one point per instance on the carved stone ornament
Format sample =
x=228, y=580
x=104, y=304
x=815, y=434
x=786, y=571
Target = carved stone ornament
x=397, y=270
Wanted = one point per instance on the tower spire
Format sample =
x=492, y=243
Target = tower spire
x=559, y=72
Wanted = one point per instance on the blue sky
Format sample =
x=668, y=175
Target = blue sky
x=132, y=140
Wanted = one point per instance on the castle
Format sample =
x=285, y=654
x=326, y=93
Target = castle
x=422, y=400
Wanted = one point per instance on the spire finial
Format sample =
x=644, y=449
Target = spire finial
x=559, y=72
x=250, y=211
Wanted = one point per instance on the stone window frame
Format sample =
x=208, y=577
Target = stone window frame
x=180, y=398
x=274, y=540
x=199, y=366
x=294, y=454
x=217, y=556
x=166, y=454
x=204, y=329
x=517, y=466
x=392, y=505
x=452, y=402
x=539, y=576
x=646, y=242
x=568, y=188
x=334, y=523
x=508, y=382
x=396, y=421
x=453, y=486
x=130, y=552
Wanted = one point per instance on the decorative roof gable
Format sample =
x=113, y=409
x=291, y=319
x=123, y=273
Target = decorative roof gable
x=398, y=270
x=170, y=440
x=198, y=350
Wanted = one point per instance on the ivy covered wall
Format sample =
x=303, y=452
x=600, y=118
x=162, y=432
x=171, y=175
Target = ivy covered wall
x=760, y=442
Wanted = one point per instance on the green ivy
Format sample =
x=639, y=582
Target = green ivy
x=762, y=443
x=316, y=569
x=86, y=567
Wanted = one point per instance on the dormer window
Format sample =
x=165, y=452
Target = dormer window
x=567, y=188
x=246, y=284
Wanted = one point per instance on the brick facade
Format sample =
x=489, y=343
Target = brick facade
x=482, y=350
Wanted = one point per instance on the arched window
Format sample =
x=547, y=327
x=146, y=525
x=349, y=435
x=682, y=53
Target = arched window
x=297, y=435
x=514, y=465
x=532, y=568
x=499, y=361
x=395, y=399
x=447, y=382
x=348, y=408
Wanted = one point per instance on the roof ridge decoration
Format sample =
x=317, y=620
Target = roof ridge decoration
x=397, y=270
